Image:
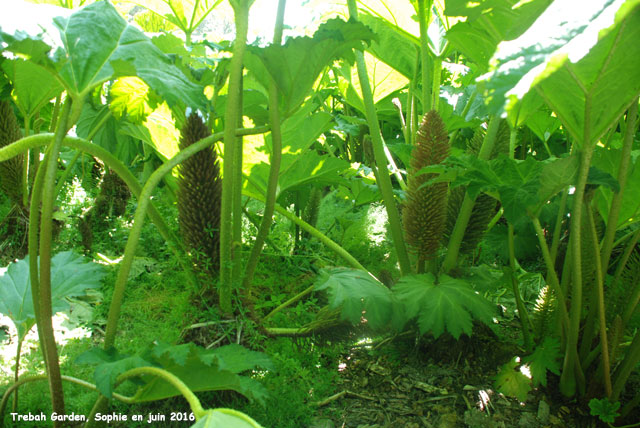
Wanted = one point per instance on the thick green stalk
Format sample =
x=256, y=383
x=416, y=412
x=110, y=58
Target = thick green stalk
x=274, y=162
x=384, y=181
x=134, y=235
x=313, y=232
x=46, y=229
x=570, y=372
x=616, y=202
x=453, y=249
x=424, y=12
x=437, y=76
x=241, y=13
x=33, y=238
x=236, y=199
x=604, y=342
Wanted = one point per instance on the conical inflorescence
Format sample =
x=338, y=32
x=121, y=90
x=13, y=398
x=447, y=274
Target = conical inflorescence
x=425, y=212
x=10, y=170
x=199, y=192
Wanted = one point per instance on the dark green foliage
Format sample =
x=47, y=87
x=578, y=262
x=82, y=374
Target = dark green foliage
x=199, y=191
x=447, y=304
x=359, y=295
x=425, y=212
x=10, y=170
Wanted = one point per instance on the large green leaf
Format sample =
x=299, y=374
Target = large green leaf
x=114, y=49
x=451, y=304
x=111, y=364
x=359, y=295
x=200, y=369
x=488, y=23
x=394, y=46
x=296, y=65
x=225, y=418
x=33, y=86
x=71, y=274
x=587, y=68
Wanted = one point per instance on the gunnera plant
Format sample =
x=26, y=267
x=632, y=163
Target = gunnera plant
x=199, y=192
x=425, y=212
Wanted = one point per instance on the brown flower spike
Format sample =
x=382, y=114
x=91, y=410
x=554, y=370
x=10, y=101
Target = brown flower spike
x=199, y=195
x=425, y=213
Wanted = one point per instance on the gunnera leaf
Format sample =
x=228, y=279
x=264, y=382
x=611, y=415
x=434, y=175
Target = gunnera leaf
x=425, y=212
x=450, y=304
x=11, y=169
x=199, y=191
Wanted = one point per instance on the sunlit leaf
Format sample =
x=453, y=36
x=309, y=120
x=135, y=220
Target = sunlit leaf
x=296, y=65
x=570, y=55
x=33, y=85
x=71, y=275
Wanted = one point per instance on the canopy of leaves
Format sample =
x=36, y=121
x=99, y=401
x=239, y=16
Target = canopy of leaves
x=360, y=295
x=583, y=59
x=451, y=304
x=71, y=275
x=200, y=369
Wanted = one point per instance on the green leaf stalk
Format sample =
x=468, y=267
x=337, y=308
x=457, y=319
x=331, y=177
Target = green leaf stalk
x=424, y=12
x=241, y=12
x=45, y=235
x=616, y=202
x=274, y=162
x=384, y=181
